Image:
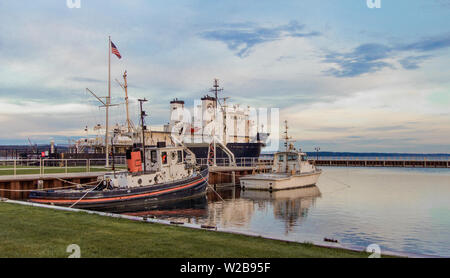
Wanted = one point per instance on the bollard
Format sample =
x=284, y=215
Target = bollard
x=233, y=177
x=40, y=184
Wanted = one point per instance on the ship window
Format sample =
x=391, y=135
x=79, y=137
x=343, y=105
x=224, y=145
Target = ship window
x=153, y=156
x=180, y=156
x=304, y=158
x=292, y=157
x=281, y=158
x=164, y=157
x=173, y=154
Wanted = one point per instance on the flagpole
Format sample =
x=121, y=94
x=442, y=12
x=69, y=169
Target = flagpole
x=108, y=101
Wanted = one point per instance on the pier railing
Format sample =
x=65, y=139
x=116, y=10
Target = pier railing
x=240, y=162
x=381, y=158
x=54, y=166
x=406, y=162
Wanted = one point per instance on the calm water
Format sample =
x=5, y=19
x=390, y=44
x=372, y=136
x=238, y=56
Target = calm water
x=401, y=210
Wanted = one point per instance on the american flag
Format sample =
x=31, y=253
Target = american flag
x=115, y=51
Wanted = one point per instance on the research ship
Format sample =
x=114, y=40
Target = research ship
x=235, y=130
x=240, y=135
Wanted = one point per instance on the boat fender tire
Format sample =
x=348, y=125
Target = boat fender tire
x=157, y=178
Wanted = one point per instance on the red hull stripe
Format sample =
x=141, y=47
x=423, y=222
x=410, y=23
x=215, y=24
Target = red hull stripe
x=116, y=198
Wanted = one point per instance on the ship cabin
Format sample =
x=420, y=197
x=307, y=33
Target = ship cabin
x=291, y=162
x=162, y=164
x=169, y=161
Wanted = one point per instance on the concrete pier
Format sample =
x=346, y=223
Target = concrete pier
x=381, y=163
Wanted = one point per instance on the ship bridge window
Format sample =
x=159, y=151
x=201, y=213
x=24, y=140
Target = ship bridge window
x=164, y=157
x=304, y=158
x=180, y=156
x=153, y=156
x=292, y=157
x=281, y=158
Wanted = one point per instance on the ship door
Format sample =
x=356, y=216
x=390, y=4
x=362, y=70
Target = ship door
x=280, y=162
x=154, y=161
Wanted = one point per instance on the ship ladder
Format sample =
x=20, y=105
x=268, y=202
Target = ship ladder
x=211, y=155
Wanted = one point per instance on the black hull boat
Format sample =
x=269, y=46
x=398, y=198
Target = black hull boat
x=118, y=199
x=240, y=150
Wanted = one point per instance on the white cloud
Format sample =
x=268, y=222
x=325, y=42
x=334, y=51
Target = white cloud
x=166, y=58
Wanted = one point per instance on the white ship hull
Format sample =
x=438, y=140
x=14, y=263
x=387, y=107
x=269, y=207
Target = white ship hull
x=279, y=181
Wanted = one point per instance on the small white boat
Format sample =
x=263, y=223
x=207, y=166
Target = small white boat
x=290, y=169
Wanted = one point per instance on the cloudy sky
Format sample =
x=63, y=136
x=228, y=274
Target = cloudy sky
x=346, y=77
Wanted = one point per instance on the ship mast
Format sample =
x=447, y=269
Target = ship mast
x=215, y=89
x=286, y=137
x=224, y=110
x=126, y=99
x=143, y=128
x=125, y=88
x=286, y=143
x=108, y=102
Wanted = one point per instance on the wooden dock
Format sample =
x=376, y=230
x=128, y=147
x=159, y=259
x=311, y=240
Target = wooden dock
x=17, y=187
x=231, y=175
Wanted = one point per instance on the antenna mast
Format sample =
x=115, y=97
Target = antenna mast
x=286, y=144
x=143, y=127
x=125, y=88
x=215, y=89
x=126, y=99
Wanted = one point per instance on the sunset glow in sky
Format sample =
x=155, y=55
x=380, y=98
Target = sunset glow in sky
x=346, y=77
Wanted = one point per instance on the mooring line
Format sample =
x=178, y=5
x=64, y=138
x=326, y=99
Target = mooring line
x=200, y=172
x=216, y=192
x=85, y=194
x=338, y=181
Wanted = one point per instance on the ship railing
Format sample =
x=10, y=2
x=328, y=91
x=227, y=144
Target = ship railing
x=240, y=162
x=15, y=167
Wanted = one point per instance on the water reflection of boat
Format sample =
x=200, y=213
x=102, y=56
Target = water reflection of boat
x=290, y=194
x=197, y=208
x=233, y=212
x=292, y=205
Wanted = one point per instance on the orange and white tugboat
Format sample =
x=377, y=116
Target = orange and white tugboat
x=155, y=175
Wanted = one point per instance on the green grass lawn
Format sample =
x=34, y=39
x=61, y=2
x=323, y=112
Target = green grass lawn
x=41, y=232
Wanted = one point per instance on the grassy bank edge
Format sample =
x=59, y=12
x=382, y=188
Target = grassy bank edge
x=42, y=232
